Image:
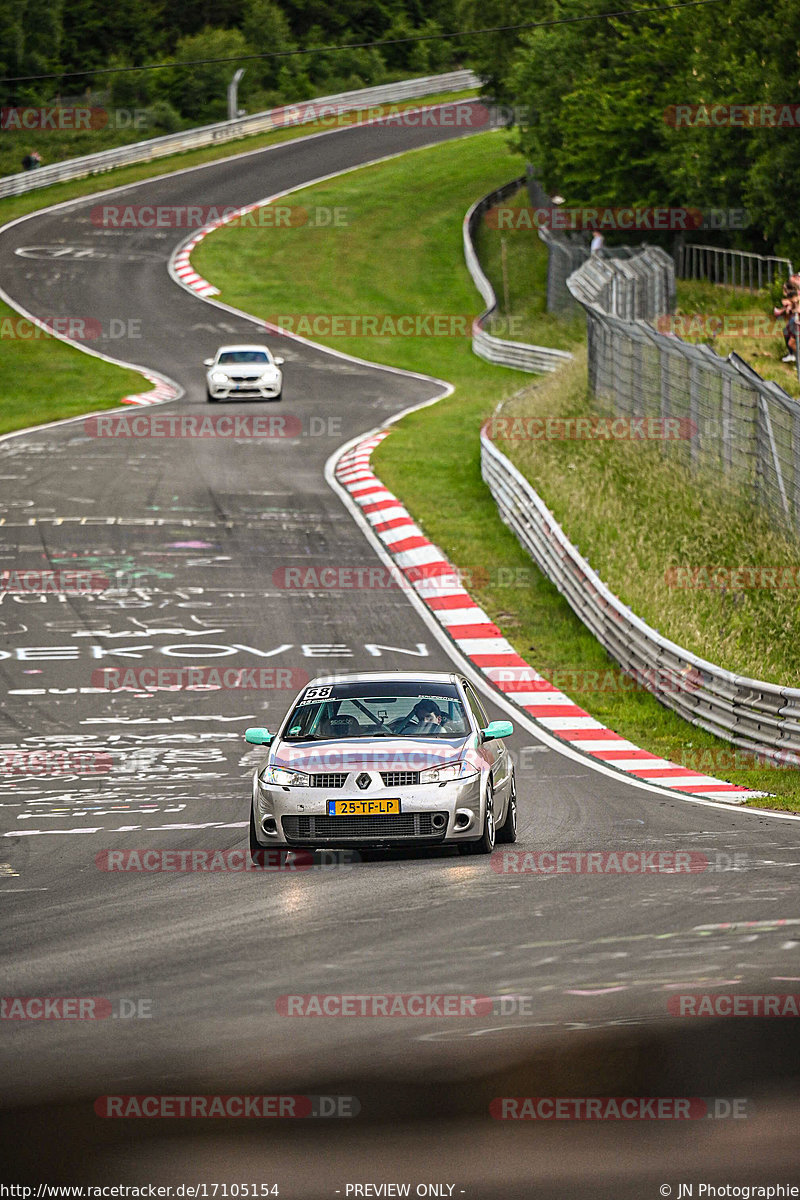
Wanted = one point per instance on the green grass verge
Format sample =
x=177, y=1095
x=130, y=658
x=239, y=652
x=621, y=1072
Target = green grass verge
x=611, y=497
x=432, y=459
x=746, y=311
x=521, y=288
x=44, y=379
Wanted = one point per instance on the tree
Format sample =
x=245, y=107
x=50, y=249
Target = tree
x=198, y=90
x=266, y=30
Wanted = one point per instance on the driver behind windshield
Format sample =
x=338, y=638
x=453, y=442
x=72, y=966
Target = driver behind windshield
x=425, y=718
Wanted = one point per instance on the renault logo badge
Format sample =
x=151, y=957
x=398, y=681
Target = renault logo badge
x=363, y=781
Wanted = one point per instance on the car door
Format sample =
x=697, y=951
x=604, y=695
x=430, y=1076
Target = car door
x=495, y=752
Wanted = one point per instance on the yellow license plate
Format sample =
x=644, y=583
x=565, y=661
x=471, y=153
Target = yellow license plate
x=363, y=808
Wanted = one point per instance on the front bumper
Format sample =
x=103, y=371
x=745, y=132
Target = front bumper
x=245, y=390
x=430, y=814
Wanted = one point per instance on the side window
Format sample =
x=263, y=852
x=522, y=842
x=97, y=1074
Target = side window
x=477, y=709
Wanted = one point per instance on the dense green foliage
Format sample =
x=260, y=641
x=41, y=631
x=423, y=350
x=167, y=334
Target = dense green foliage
x=596, y=99
x=43, y=36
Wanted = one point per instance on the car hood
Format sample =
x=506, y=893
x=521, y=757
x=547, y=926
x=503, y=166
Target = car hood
x=372, y=754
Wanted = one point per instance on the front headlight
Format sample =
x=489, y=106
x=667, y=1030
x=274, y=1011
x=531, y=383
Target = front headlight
x=284, y=778
x=219, y=377
x=269, y=377
x=448, y=772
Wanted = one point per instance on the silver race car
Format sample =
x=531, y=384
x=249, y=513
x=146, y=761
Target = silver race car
x=375, y=760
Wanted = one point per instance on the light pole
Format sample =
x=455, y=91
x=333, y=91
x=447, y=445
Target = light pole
x=233, y=95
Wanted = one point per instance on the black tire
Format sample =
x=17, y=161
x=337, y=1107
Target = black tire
x=257, y=851
x=486, y=842
x=211, y=399
x=507, y=832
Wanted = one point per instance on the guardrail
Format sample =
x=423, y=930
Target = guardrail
x=757, y=716
x=729, y=267
x=493, y=349
x=226, y=131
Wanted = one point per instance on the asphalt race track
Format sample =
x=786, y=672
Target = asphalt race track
x=199, y=530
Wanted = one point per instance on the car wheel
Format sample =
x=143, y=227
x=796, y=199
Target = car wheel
x=485, y=843
x=257, y=851
x=507, y=832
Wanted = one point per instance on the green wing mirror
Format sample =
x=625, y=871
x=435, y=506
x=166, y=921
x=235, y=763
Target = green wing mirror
x=497, y=729
x=257, y=736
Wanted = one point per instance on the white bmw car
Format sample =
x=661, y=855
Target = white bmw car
x=242, y=372
x=375, y=760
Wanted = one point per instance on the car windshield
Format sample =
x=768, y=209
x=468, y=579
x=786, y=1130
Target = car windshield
x=369, y=710
x=243, y=356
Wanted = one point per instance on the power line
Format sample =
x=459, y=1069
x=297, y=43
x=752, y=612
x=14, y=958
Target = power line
x=427, y=37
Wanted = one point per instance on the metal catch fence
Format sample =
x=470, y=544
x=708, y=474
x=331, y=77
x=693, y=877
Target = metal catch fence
x=740, y=428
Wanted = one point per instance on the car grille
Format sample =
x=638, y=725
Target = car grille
x=334, y=829
x=246, y=379
x=329, y=779
x=400, y=778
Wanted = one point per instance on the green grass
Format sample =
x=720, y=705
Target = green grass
x=611, y=497
x=432, y=459
x=75, y=382
x=46, y=380
x=698, y=298
x=522, y=289
x=59, y=145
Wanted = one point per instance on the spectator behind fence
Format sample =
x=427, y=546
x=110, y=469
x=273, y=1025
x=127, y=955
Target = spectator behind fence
x=785, y=307
x=790, y=308
x=34, y=159
x=597, y=243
